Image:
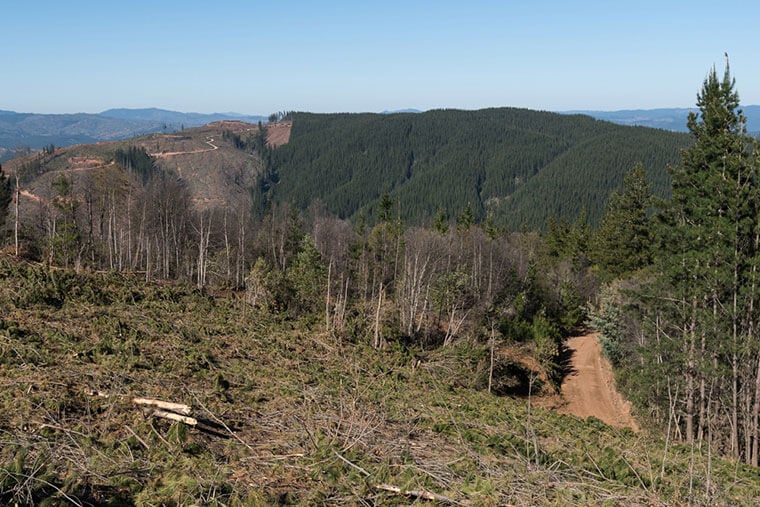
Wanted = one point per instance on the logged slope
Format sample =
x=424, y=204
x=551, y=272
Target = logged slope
x=291, y=414
x=214, y=170
x=518, y=163
x=35, y=131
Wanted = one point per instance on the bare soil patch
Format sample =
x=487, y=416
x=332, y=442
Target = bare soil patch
x=278, y=133
x=589, y=390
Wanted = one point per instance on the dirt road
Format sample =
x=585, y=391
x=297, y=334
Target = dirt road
x=210, y=142
x=589, y=390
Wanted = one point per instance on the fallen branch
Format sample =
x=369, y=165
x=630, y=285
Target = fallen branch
x=60, y=428
x=352, y=465
x=138, y=437
x=179, y=408
x=417, y=493
x=190, y=421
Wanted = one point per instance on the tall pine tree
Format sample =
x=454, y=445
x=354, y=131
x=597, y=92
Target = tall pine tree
x=710, y=242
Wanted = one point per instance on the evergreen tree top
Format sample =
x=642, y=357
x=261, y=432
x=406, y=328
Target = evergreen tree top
x=718, y=103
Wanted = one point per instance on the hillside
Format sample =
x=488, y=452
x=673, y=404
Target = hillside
x=19, y=131
x=36, y=131
x=178, y=118
x=286, y=414
x=215, y=171
x=524, y=166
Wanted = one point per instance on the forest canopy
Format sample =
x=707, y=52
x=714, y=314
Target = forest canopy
x=520, y=166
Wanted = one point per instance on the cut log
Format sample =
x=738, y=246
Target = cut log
x=178, y=408
x=414, y=493
x=190, y=421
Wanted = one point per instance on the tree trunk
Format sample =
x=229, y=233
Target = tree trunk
x=756, y=418
x=327, y=298
x=378, y=338
x=16, y=220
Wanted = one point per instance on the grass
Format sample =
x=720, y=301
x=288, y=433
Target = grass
x=303, y=417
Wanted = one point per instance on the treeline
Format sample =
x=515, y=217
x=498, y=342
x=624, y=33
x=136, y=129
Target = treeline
x=680, y=313
x=256, y=142
x=137, y=160
x=502, y=161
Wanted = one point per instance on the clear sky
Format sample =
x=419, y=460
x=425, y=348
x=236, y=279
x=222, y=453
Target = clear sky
x=258, y=57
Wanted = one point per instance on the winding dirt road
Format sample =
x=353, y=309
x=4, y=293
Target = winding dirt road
x=589, y=390
x=210, y=142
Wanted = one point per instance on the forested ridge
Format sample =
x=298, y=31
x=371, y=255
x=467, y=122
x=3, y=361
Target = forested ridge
x=521, y=166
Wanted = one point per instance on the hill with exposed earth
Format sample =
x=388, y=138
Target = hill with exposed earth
x=518, y=167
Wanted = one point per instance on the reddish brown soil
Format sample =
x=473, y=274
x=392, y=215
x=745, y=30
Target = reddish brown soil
x=590, y=389
x=278, y=133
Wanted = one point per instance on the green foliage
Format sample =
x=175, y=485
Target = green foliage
x=64, y=244
x=608, y=319
x=136, y=160
x=546, y=339
x=441, y=222
x=517, y=163
x=517, y=330
x=467, y=218
x=30, y=169
x=307, y=276
x=452, y=291
x=565, y=240
x=256, y=142
x=623, y=242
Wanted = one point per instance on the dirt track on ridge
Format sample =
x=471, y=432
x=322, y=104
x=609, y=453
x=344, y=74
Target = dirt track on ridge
x=589, y=390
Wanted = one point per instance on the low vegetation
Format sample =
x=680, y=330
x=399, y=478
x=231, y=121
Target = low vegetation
x=299, y=416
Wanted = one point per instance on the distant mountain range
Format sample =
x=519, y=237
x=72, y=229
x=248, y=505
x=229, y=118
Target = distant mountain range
x=20, y=132
x=668, y=118
x=409, y=110
x=176, y=118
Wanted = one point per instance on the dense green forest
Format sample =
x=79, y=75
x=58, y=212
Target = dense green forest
x=520, y=166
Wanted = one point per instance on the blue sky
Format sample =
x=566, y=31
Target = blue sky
x=258, y=57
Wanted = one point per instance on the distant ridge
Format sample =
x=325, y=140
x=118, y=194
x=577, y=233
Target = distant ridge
x=408, y=110
x=517, y=165
x=174, y=117
x=665, y=118
x=22, y=131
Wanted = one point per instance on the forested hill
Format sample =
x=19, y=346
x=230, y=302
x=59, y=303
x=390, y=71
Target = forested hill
x=523, y=165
